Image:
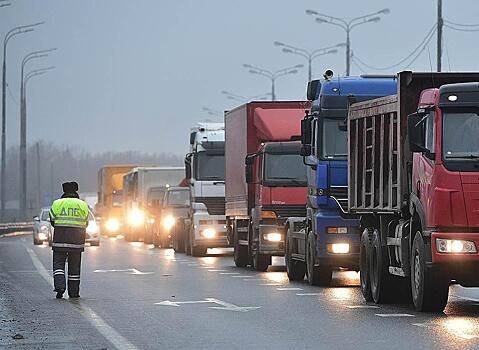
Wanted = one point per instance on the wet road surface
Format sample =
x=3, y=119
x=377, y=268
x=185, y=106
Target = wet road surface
x=134, y=296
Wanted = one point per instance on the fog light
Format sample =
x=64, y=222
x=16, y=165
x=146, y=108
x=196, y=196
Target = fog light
x=208, y=233
x=338, y=248
x=42, y=236
x=273, y=237
x=455, y=246
x=136, y=217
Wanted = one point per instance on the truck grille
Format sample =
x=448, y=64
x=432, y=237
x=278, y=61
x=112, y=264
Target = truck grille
x=341, y=195
x=214, y=205
x=287, y=210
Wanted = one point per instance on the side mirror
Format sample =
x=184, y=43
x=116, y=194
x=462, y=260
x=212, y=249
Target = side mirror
x=249, y=160
x=188, y=166
x=312, y=90
x=416, y=132
x=306, y=137
x=36, y=218
x=192, y=137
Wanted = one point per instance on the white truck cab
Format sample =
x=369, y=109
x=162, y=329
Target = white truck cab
x=205, y=169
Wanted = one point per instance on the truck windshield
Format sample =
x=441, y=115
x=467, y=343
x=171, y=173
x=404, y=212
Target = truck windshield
x=210, y=166
x=461, y=130
x=334, y=138
x=155, y=198
x=178, y=198
x=286, y=170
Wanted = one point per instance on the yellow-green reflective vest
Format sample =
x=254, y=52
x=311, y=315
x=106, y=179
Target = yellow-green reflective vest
x=69, y=212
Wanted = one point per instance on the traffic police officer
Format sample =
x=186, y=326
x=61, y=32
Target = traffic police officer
x=69, y=218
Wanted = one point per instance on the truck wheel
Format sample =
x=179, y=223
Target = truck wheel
x=198, y=251
x=316, y=276
x=430, y=288
x=294, y=268
x=240, y=255
x=364, y=261
x=148, y=237
x=261, y=261
x=178, y=242
x=382, y=287
x=37, y=242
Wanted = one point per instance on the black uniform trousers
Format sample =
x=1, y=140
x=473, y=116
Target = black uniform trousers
x=74, y=261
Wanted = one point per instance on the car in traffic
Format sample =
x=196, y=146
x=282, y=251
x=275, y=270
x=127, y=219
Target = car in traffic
x=92, y=231
x=42, y=227
x=174, y=212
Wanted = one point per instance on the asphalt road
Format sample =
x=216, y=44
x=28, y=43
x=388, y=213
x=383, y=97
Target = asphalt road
x=134, y=296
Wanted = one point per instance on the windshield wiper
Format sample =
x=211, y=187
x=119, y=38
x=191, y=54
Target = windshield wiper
x=469, y=156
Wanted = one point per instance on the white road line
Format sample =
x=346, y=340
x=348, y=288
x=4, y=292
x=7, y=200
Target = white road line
x=217, y=270
x=204, y=267
x=242, y=276
x=362, y=307
x=289, y=288
x=229, y=273
x=394, y=315
x=307, y=294
x=465, y=298
x=270, y=284
x=106, y=330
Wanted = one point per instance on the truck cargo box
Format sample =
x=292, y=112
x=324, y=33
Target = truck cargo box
x=246, y=127
x=378, y=151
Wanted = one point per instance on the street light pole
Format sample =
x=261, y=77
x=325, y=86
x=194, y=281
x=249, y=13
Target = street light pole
x=309, y=55
x=10, y=34
x=440, y=23
x=273, y=75
x=347, y=26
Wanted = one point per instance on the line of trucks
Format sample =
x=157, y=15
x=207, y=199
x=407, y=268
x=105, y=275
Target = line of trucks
x=377, y=174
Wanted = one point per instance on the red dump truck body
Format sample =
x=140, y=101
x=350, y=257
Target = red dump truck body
x=263, y=135
x=414, y=177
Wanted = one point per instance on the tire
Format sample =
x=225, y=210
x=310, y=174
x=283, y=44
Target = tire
x=241, y=252
x=317, y=276
x=178, y=241
x=198, y=251
x=128, y=237
x=37, y=242
x=294, y=268
x=364, y=261
x=165, y=242
x=149, y=237
x=188, y=242
x=380, y=281
x=261, y=261
x=430, y=288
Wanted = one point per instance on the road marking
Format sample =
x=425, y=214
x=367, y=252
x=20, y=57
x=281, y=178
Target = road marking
x=270, y=284
x=223, y=304
x=459, y=333
x=339, y=299
x=132, y=271
x=362, y=307
x=307, y=294
x=394, y=315
x=217, y=270
x=289, y=288
x=465, y=298
x=104, y=328
x=229, y=273
x=204, y=267
x=243, y=276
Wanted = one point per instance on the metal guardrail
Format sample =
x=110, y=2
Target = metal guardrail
x=15, y=226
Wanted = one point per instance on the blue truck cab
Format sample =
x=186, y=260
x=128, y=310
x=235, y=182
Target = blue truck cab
x=328, y=238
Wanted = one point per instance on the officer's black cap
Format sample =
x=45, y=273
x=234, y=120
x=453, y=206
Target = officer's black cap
x=69, y=187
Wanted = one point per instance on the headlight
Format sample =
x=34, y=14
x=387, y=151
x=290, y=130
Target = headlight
x=273, y=237
x=168, y=222
x=42, y=236
x=112, y=224
x=92, y=228
x=455, y=246
x=43, y=228
x=208, y=233
x=151, y=221
x=136, y=217
x=338, y=248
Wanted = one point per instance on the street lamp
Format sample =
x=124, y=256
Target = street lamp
x=309, y=55
x=23, y=129
x=273, y=75
x=10, y=34
x=348, y=26
x=211, y=111
x=239, y=98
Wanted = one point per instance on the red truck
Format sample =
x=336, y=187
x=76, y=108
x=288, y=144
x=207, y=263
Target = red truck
x=413, y=163
x=266, y=179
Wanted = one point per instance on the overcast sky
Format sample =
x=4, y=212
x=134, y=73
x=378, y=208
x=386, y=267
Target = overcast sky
x=136, y=74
